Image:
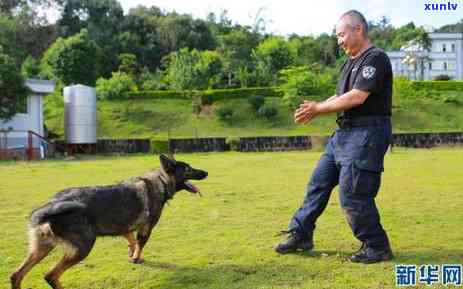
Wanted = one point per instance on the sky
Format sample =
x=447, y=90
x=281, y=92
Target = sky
x=309, y=17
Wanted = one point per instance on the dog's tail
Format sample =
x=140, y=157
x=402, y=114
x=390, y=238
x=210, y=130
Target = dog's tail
x=44, y=213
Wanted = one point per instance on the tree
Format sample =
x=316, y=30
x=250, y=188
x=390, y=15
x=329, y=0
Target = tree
x=305, y=83
x=452, y=28
x=9, y=7
x=220, y=26
x=305, y=50
x=73, y=60
x=30, y=68
x=116, y=87
x=271, y=55
x=236, y=48
x=182, y=31
x=24, y=33
x=128, y=63
x=259, y=22
x=209, y=69
x=381, y=33
x=13, y=93
x=102, y=19
x=139, y=36
x=193, y=69
x=410, y=32
x=329, y=48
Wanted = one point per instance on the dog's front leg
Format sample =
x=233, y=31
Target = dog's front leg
x=143, y=235
x=133, y=244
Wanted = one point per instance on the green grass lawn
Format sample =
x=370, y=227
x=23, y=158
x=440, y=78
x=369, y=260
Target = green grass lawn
x=174, y=118
x=225, y=239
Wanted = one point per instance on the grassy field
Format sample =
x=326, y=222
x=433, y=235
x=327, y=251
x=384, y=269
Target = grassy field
x=225, y=239
x=174, y=118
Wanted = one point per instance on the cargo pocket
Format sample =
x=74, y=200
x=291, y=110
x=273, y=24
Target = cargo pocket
x=366, y=178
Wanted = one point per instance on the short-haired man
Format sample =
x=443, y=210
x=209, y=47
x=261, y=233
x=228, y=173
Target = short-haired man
x=354, y=154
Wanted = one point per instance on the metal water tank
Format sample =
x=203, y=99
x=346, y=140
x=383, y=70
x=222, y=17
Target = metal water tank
x=80, y=114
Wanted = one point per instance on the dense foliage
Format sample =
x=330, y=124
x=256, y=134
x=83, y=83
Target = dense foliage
x=160, y=49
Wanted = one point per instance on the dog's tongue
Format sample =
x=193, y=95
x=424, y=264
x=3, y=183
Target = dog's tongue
x=191, y=188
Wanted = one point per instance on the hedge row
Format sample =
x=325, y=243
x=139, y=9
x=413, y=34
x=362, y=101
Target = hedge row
x=220, y=94
x=455, y=85
x=210, y=95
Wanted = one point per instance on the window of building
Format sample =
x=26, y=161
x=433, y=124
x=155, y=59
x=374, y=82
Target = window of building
x=444, y=47
x=445, y=65
x=430, y=65
x=453, y=47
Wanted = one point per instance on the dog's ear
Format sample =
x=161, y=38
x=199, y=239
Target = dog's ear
x=167, y=164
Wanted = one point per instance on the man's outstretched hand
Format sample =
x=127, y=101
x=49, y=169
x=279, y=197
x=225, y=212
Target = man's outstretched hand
x=307, y=111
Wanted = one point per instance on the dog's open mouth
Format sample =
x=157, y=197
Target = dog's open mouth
x=191, y=188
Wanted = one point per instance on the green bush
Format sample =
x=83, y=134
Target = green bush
x=441, y=77
x=256, y=102
x=402, y=88
x=268, y=112
x=224, y=113
x=117, y=87
x=159, y=146
x=455, y=85
x=152, y=81
x=188, y=69
x=300, y=82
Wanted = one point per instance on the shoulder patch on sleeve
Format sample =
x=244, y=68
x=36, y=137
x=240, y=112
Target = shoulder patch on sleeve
x=368, y=72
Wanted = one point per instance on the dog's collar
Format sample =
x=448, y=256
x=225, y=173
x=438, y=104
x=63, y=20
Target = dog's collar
x=167, y=191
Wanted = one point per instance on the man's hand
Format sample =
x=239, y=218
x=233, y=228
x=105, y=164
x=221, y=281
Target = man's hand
x=307, y=111
x=311, y=109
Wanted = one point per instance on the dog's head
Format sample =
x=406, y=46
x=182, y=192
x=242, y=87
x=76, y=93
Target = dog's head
x=180, y=173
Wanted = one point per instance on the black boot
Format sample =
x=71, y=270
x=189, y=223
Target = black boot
x=294, y=243
x=368, y=255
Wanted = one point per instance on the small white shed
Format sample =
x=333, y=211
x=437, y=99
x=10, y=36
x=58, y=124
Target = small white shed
x=14, y=133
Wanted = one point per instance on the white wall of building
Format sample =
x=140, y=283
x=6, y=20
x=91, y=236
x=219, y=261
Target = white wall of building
x=445, y=57
x=31, y=120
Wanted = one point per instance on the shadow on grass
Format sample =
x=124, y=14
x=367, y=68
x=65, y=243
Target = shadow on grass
x=233, y=275
x=275, y=273
x=429, y=257
x=400, y=257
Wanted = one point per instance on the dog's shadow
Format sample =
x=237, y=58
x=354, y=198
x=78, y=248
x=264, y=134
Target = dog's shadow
x=159, y=265
x=219, y=275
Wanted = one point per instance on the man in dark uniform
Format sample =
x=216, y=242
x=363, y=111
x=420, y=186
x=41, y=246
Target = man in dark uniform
x=354, y=155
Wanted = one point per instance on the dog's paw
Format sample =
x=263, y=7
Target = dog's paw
x=137, y=260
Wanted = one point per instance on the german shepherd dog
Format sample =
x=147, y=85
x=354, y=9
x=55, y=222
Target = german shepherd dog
x=74, y=217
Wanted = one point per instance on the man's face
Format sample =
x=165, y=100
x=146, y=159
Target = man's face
x=348, y=37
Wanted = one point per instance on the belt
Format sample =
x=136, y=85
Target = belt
x=362, y=121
